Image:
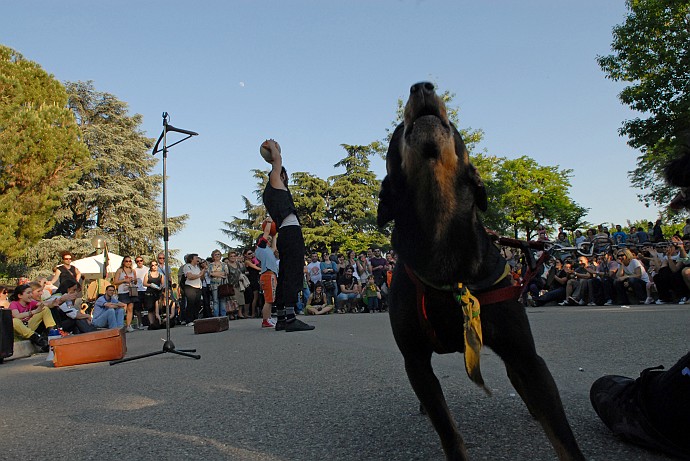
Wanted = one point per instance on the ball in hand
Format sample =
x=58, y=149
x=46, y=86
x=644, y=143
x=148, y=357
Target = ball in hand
x=273, y=230
x=265, y=151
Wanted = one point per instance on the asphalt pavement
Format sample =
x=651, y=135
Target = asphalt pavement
x=336, y=393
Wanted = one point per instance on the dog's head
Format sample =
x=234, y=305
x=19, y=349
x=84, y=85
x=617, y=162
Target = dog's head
x=428, y=167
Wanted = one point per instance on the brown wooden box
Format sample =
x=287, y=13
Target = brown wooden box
x=97, y=346
x=211, y=325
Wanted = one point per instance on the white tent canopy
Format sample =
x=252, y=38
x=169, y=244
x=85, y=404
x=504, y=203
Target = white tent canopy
x=92, y=267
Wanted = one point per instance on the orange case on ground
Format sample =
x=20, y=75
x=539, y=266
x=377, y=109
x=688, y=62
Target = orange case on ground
x=97, y=346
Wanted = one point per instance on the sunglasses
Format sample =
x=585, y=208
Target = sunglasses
x=154, y=265
x=67, y=259
x=127, y=261
x=139, y=260
x=620, y=256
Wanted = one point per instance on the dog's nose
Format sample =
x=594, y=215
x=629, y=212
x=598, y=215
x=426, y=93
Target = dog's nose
x=424, y=87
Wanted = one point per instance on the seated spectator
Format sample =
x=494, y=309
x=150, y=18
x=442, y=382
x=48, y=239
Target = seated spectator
x=601, y=240
x=606, y=273
x=316, y=304
x=574, y=292
x=633, y=238
x=619, y=237
x=371, y=295
x=642, y=236
x=579, y=238
x=669, y=280
x=558, y=283
x=28, y=314
x=70, y=318
x=631, y=275
x=108, y=312
x=4, y=297
x=538, y=282
x=347, y=299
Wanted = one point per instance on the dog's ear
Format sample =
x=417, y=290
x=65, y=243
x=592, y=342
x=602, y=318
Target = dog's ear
x=480, y=196
x=393, y=185
x=386, y=210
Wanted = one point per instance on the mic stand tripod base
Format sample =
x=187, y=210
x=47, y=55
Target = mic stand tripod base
x=168, y=347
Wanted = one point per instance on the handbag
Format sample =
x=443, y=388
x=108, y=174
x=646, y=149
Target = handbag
x=225, y=290
x=133, y=290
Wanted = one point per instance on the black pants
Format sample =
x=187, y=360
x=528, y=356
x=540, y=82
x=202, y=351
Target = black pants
x=291, y=268
x=206, y=302
x=638, y=286
x=193, y=296
x=669, y=283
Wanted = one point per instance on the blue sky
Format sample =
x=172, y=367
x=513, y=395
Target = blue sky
x=317, y=74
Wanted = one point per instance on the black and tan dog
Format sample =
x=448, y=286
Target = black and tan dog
x=433, y=193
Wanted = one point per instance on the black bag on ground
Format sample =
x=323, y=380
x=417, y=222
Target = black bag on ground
x=6, y=334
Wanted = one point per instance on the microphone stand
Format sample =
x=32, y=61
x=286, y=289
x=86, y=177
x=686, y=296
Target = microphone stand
x=168, y=346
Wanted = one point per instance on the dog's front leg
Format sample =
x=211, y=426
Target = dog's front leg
x=507, y=332
x=429, y=392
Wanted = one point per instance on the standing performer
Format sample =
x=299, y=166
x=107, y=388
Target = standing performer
x=279, y=204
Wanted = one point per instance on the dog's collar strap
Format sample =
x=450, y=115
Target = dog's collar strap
x=472, y=326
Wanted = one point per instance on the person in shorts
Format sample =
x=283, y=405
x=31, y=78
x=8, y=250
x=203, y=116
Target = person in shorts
x=268, y=279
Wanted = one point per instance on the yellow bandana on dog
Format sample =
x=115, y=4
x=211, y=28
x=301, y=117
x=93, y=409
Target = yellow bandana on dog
x=473, y=333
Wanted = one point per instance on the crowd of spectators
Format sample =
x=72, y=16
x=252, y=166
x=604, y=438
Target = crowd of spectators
x=611, y=268
x=596, y=267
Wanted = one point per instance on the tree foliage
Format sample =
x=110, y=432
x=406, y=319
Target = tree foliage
x=118, y=194
x=651, y=51
x=41, y=153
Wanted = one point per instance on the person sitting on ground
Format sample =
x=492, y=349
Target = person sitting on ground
x=28, y=314
x=108, y=312
x=557, y=289
x=71, y=319
x=575, y=284
x=601, y=240
x=4, y=297
x=316, y=304
x=631, y=274
x=349, y=292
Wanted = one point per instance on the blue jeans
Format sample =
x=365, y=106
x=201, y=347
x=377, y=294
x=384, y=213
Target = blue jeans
x=217, y=305
x=342, y=298
x=110, y=318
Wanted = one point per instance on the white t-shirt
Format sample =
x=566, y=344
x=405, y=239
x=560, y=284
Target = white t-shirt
x=141, y=273
x=189, y=269
x=630, y=269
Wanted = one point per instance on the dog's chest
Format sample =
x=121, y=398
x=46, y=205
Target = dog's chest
x=443, y=316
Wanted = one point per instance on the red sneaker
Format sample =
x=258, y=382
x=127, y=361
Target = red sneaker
x=267, y=324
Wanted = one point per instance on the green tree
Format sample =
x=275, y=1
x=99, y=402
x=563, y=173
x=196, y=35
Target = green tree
x=119, y=194
x=532, y=194
x=651, y=51
x=41, y=153
x=243, y=230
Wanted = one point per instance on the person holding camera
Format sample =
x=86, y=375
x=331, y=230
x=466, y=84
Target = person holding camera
x=631, y=275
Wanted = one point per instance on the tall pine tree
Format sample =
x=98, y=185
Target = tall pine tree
x=119, y=194
x=40, y=152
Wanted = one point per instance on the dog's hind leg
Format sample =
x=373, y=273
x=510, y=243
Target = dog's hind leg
x=430, y=395
x=508, y=333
